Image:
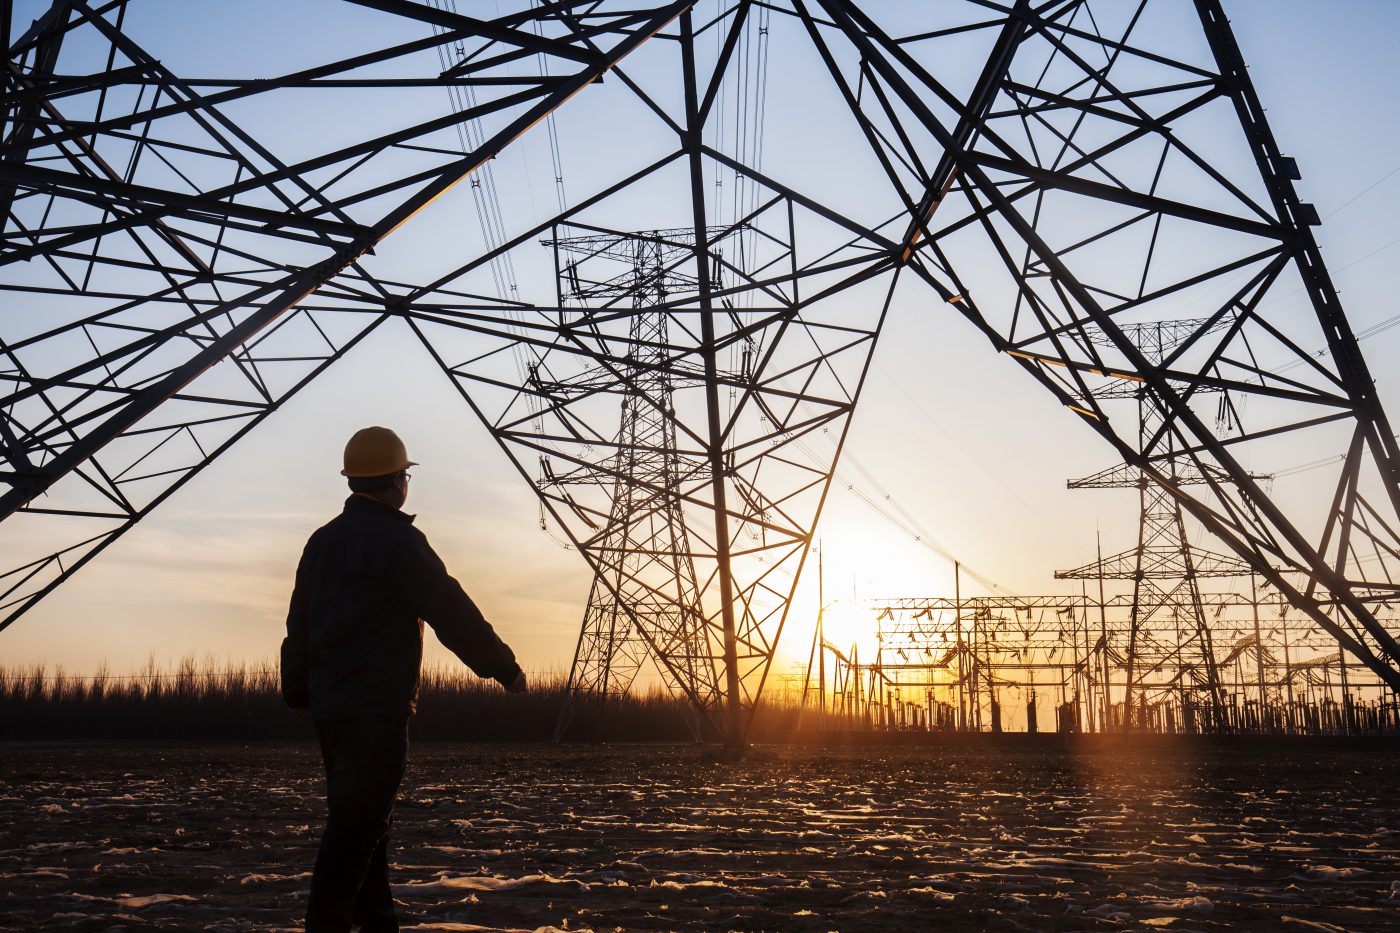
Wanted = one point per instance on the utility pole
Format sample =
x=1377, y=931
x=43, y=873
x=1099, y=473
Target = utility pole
x=958, y=646
x=821, y=643
x=1087, y=698
x=1287, y=671
x=1258, y=646
x=1106, y=719
x=1346, y=696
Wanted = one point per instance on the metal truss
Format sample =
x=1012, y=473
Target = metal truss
x=644, y=546
x=1165, y=568
x=921, y=606
x=698, y=530
x=178, y=261
x=160, y=256
x=770, y=314
x=1275, y=669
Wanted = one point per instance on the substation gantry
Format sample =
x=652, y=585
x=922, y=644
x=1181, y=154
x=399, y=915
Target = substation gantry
x=191, y=236
x=1062, y=662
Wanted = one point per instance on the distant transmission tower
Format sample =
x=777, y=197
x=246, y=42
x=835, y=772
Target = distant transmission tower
x=645, y=598
x=1165, y=567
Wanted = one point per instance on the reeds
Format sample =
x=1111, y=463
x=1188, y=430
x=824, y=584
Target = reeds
x=189, y=701
x=223, y=702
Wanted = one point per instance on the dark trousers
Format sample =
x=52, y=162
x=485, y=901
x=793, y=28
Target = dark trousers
x=364, y=765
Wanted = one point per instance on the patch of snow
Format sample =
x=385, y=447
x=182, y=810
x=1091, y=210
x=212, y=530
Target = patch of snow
x=1313, y=925
x=685, y=885
x=1193, y=905
x=261, y=879
x=1238, y=866
x=149, y=900
x=52, y=847
x=481, y=883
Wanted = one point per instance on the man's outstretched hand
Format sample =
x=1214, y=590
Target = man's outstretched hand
x=518, y=685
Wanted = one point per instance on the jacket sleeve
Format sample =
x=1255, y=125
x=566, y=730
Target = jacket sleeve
x=296, y=647
x=445, y=606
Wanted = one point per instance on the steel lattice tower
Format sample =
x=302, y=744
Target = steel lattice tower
x=1164, y=567
x=183, y=251
x=645, y=600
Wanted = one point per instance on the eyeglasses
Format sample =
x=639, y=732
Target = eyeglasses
x=406, y=475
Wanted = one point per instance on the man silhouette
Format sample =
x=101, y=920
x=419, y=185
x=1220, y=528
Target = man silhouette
x=352, y=656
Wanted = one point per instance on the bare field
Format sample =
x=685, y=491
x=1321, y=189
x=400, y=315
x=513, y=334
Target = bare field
x=222, y=837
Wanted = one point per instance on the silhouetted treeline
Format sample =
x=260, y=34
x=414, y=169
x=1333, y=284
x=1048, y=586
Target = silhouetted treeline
x=212, y=702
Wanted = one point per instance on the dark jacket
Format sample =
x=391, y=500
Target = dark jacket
x=354, y=642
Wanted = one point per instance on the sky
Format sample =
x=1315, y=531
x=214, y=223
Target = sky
x=948, y=431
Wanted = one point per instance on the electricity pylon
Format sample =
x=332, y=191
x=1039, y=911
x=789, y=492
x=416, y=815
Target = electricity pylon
x=645, y=598
x=190, y=238
x=1165, y=567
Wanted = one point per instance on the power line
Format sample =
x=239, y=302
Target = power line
x=909, y=524
x=1367, y=190
x=987, y=471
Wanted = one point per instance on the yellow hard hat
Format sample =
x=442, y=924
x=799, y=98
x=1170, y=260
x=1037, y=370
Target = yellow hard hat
x=375, y=451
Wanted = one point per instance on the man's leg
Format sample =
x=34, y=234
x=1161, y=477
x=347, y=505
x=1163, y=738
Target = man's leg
x=374, y=906
x=364, y=765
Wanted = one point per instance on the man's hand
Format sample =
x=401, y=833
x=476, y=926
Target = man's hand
x=518, y=685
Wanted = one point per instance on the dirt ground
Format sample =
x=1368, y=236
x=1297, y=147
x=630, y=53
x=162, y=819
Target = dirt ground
x=221, y=837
